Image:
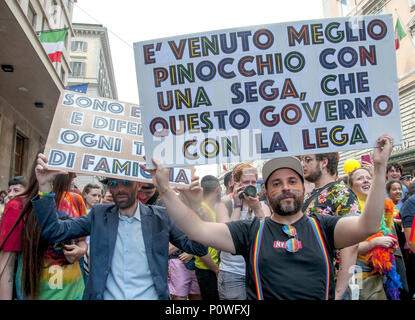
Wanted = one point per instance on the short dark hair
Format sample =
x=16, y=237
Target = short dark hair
x=390, y=183
x=209, y=184
x=17, y=180
x=395, y=165
x=411, y=190
x=147, y=186
x=227, y=178
x=332, y=161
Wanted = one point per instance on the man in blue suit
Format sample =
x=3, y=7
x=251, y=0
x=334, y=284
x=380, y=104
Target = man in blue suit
x=128, y=241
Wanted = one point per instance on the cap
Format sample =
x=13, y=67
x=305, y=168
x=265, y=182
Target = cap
x=147, y=186
x=104, y=181
x=279, y=163
x=406, y=176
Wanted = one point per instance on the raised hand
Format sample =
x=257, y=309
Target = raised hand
x=44, y=175
x=383, y=150
x=160, y=176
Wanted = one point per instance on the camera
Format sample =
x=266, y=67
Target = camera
x=250, y=191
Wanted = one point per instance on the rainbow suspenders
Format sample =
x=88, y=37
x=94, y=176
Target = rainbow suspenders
x=322, y=245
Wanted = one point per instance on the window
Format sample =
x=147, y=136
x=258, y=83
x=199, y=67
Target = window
x=18, y=154
x=55, y=13
x=69, y=5
x=343, y=7
x=78, y=69
x=31, y=16
x=374, y=7
x=79, y=46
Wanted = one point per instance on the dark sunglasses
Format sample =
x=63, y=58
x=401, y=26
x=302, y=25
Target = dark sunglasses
x=292, y=244
x=114, y=183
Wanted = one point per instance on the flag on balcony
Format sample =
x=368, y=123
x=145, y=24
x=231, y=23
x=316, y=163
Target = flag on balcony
x=399, y=33
x=53, y=42
x=81, y=88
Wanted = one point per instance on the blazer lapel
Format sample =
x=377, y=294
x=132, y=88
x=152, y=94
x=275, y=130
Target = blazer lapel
x=147, y=227
x=112, y=227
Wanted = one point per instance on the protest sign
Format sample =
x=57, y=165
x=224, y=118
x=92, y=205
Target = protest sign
x=100, y=136
x=269, y=91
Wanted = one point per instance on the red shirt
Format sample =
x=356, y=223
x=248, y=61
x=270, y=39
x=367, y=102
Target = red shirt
x=10, y=215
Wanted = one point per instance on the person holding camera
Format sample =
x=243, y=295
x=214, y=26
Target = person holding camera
x=246, y=205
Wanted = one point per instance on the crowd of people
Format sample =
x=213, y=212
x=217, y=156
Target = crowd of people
x=298, y=232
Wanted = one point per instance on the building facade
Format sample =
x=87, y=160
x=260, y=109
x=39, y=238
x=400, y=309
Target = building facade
x=405, y=56
x=91, y=63
x=30, y=84
x=405, y=9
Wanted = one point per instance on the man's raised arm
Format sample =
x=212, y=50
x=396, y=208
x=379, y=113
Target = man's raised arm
x=212, y=234
x=352, y=230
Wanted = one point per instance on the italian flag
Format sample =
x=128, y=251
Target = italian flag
x=399, y=33
x=53, y=43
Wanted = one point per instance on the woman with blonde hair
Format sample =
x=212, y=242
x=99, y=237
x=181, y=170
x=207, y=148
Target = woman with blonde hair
x=380, y=280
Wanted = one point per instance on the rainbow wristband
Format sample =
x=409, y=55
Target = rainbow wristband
x=45, y=194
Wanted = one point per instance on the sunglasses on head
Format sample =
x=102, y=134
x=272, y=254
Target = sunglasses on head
x=114, y=183
x=292, y=244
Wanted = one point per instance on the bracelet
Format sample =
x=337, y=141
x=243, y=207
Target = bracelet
x=45, y=194
x=237, y=206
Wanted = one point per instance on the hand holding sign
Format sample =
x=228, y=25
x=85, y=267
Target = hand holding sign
x=102, y=137
x=383, y=150
x=45, y=176
x=160, y=176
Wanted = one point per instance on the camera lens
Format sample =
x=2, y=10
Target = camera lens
x=250, y=191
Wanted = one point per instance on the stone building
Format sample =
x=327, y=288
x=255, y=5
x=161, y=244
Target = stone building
x=91, y=63
x=30, y=83
x=405, y=56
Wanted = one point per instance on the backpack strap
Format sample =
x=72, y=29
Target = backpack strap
x=323, y=248
x=257, y=246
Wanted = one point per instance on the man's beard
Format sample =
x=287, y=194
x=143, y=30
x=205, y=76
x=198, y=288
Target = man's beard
x=314, y=175
x=287, y=209
x=124, y=204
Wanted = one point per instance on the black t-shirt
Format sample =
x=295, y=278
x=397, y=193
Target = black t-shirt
x=407, y=212
x=287, y=275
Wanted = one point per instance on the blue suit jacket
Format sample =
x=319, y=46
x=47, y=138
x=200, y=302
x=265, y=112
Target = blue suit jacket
x=102, y=226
